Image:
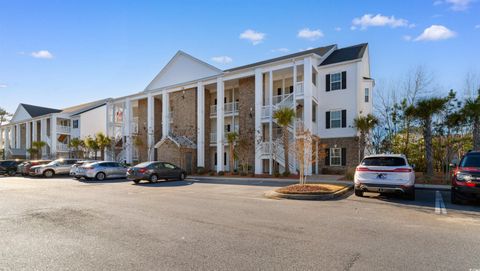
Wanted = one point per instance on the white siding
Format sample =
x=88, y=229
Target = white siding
x=20, y=115
x=93, y=121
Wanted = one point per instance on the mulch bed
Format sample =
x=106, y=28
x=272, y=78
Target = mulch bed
x=311, y=189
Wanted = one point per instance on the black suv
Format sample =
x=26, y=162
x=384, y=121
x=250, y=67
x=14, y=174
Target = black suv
x=466, y=178
x=9, y=167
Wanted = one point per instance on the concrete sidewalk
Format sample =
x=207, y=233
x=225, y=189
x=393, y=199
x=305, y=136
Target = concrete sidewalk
x=328, y=179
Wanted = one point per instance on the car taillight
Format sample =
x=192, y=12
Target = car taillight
x=402, y=170
x=362, y=169
x=142, y=170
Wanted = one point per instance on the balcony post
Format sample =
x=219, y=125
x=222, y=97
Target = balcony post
x=258, y=120
x=165, y=115
x=308, y=102
x=294, y=125
x=53, y=136
x=43, y=135
x=200, y=125
x=150, y=126
x=220, y=124
x=270, y=124
x=28, y=138
x=127, y=131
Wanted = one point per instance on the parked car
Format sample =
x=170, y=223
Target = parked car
x=466, y=178
x=9, y=167
x=24, y=168
x=154, y=171
x=75, y=167
x=385, y=174
x=101, y=171
x=56, y=167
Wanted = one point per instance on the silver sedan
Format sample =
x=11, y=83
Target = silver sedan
x=102, y=170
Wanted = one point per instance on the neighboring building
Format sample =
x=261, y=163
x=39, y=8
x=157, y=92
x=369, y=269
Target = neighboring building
x=56, y=127
x=179, y=110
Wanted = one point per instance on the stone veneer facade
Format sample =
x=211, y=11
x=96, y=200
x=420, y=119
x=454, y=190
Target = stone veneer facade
x=351, y=146
x=246, y=106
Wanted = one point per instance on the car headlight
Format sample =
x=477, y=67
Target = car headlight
x=464, y=177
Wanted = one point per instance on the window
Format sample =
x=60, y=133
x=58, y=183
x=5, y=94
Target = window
x=169, y=166
x=336, y=119
x=314, y=77
x=75, y=124
x=314, y=112
x=336, y=81
x=367, y=95
x=386, y=161
x=335, y=156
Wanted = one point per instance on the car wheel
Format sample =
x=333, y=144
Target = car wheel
x=136, y=181
x=12, y=173
x=153, y=178
x=410, y=195
x=48, y=173
x=78, y=178
x=358, y=192
x=454, y=197
x=100, y=176
x=182, y=176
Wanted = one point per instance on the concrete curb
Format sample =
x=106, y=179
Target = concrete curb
x=275, y=195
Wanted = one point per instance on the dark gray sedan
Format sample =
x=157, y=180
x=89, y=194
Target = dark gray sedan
x=154, y=171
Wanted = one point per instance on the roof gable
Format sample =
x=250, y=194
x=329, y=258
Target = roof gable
x=182, y=68
x=27, y=111
x=346, y=54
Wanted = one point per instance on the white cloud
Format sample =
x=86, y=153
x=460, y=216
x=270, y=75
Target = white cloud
x=222, y=59
x=436, y=32
x=368, y=20
x=407, y=38
x=338, y=29
x=280, y=50
x=253, y=36
x=353, y=28
x=42, y=54
x=308, y=34
x=459, y=5
x=3, y=85
x=477, y=26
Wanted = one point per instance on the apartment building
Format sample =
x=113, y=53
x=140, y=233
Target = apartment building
x=55, y=127
x=186, y=111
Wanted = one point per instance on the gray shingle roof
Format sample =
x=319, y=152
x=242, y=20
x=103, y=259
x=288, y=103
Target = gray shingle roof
x=36, y=111
x=319, y=51
x=346, y=54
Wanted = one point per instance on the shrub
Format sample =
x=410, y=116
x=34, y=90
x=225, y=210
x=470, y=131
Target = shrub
x=221, y=173
x=276, y=174
x=243, y=174
x=235, y=173
x=349, y=174
x=211, y=173
x=201, y=170
x=286, y=174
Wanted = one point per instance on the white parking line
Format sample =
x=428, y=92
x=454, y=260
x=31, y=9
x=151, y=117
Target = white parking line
x=439, y=204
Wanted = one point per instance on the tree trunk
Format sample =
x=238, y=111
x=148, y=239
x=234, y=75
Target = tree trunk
x=476, y=134
x=102, y=154
x=285, y=148
x=427, y=135
x=361, y=146
x=231, y=158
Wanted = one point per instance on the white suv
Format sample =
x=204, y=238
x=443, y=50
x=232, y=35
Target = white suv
x=385, y=173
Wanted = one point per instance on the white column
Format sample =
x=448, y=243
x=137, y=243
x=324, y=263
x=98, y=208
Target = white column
x=2, y=144
x=34, y=131
x=53, y=135
x=220, y=124
x=12, y=137
x=165, y=115
x=150, y=125
x=28, y=137
x=316, y=157
x=270, y=124
x=127, y=115
x=18, y=138
x=258, y=120
x=294, y=158
x=200, y=125
x=43, y=135
x=308, y=102
x=7, y=141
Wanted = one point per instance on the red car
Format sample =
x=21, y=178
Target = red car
x=24, y=168
x=466, y=178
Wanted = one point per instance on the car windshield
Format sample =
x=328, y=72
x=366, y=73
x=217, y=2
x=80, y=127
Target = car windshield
x=472, y=160
x=384, y=161
x=144, y=164
x=52, y=163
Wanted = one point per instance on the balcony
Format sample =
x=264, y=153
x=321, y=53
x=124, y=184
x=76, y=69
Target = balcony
x=61, y=129
x=228, y=109
x=299, y=89
x=62, y=147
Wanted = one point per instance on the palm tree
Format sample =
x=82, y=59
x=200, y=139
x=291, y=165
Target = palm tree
x=424, y=111
x=471, y=112
x=231, y=139
x=91, y=145
x=37, y=147
x=76, y=144
x=284, y=117
x=102, y=142
x=364, y=124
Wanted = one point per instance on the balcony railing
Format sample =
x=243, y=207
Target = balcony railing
x=228, y=108
x=62, y=147
x=299, y=89
x=63, y=129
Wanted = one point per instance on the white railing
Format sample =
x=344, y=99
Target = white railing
x=62, y=147
x=213, y=110
x=278, y=98
x=61, y=129
x=134, y=127
x=213, y=138
x=299, y=88
x=266, y=112
x=228, y=108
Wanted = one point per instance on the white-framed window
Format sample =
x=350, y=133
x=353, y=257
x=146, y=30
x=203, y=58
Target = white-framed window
x=336, y=119
x=335, y=156
x=367, y=95
x=75, y=124
x=336, y=81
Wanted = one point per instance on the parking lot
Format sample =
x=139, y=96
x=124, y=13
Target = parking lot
x=60, y=224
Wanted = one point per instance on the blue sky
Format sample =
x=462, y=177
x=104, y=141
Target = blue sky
x=62, y=53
